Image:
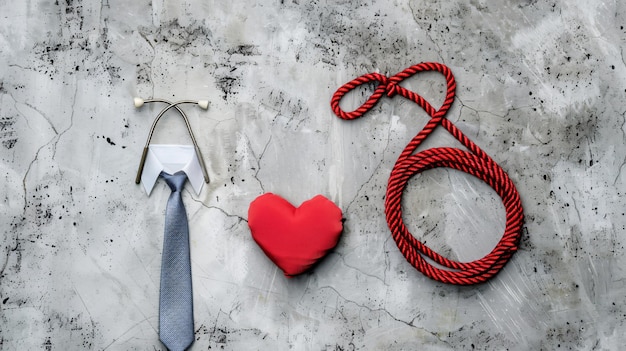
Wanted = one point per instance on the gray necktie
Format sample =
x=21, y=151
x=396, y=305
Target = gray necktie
x=176, y=300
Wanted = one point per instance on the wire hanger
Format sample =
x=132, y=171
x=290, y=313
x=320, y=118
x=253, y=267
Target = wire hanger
x=204, y=104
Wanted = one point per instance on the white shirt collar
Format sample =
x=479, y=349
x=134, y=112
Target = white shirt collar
x=171, y=159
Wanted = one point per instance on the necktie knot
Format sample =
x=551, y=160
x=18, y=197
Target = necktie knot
x=175, y=181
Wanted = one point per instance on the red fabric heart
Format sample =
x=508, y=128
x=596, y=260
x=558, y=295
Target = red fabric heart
x=294, y=238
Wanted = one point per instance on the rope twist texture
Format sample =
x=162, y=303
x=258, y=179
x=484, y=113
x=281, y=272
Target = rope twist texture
x=475, y=162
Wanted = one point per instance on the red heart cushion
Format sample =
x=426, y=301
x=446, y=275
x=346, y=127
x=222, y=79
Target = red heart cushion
x=294, y=238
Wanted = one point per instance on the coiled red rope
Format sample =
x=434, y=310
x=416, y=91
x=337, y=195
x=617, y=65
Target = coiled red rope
x=475, y=162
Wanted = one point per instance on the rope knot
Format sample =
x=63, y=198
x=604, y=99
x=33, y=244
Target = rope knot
x=391, y=89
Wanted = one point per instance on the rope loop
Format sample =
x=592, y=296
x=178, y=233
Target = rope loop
x=368, y=104
x=474, y=161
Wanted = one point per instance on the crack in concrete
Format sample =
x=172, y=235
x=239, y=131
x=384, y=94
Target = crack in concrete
x=47, y=143
x=427, y=32
x=59, y=135
x=30, y=166
x=129, y=330
x=384, y=310
x=387, y=259
x=504, y=116
x=103, y=4
x=6, y=260
x=343, y=260
x=43, y=115
x=229, y=215
x=80, y=297
x=375, y=171
x=22, y=67
x=621, y=167
x=214, y=329
x=143, y=35
x=576, y=209
x=258, y=160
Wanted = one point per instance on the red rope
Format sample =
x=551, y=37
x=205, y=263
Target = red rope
x=475, y=162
